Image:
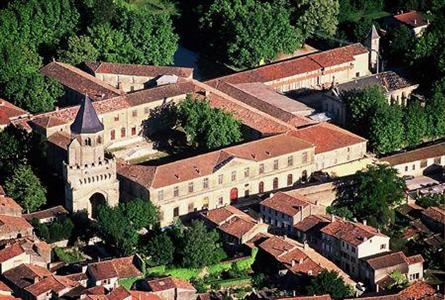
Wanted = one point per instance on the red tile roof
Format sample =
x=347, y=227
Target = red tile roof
x=292, y=67
x=415, y=155
x=435, y=213
x=351, y=232
x=416, y=291
x=10, y=252
x=386, y=260
x=412, y=18
x=286, y=204
x=138, y=70
x=119, y=293
x=167, y=283
x=8, y=202
x=321, y=297
x=25, y=275
x=290, y=255
x=206, y=164
x=52, y=212
x=9, y=224
x=9, y=111
x=311, y=222
x=50, y=284
x=162, y=92
x=80, y=81
x=4, y=287
x=114, y=268
x=327, y=137
x=415, y=259
x=142, y=295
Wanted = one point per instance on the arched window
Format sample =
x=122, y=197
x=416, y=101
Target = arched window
x=99, y=140
x=123, y=132
x=290, y=179
x=304, y=176
x=275, y=183
x=112, y=135
x=261, y=187
x=233, y=194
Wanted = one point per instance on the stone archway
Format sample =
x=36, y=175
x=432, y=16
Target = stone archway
x=96, y=200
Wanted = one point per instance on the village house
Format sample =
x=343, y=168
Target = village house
x=376, y=270
x=321, y=297
x=346, y=242
x=12, y=227
x=282, y=211
x=13, y=256
x=107, y=273
x=309, y=230
x=47, y=215
x=9, y=207
x=414, y=20
x=50, y=287
x=5, y=291
x=235, y=226
x=9, y=113
x=171, y=288
x=419, y=161
x=23, y=276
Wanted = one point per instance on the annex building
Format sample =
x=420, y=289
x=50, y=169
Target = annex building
x=110, y=102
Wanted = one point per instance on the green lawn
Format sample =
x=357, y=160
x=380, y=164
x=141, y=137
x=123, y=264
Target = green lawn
x=127, y=283
x=233, y=282
x=358, y=15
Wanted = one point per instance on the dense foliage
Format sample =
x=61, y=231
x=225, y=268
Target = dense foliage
x=372, y=197
x=24, y=187
x=55, y=231
x=329, y=282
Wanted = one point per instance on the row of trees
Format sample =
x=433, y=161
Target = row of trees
x=32, y=32
x=392, y=127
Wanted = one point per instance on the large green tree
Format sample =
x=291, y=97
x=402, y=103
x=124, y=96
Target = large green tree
x=160, y=248
x=386, y=132
x=79, y=49
x=415, y=122
x=316, y=16
x=141, y=213
x=206, y=126
x=14, y=149
x=329, y=282
x=435, y=112
x=200, y=247
x=246, y=33
x=25, y=188
x=374, y=194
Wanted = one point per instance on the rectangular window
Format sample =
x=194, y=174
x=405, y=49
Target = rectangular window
x=205, y=203
x=437, y=160
x=134, y=113
x=383, y=246
x=176, y=191
x=160, y=195
x=116, y=118
x=190, y=187
x=290, y=161
x=146, y=110
x=123, y=132
x=233, y=175
x=220, y=179
x=406, y=168
x=275, y=164
x=133, y=131
x=423, y=163
x=246, y=193
x=304, y=157
x=261, y=169
x=205, y=183
x=246, y=172
x=191, y=207
x=414, y=167
x=112, y=135
x=176, y=212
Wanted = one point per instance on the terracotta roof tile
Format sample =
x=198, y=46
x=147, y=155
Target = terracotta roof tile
x=138, y=70
x=415, y=259
x=386, y=260
x=8, y=202
x=114, y=268
x=417, y=154
x=205, y=164
x=321, y=297
x=119, y=293
x=287, y=204
x=327, y=137
x=25, y=275
x=350, y=232
x=52, y=212
x=10, y=224
x=142, y=295
x=10, y=252
x=9, y=111
x=161, y=92
x=80, y=81
x=435, y=213
x=311, y=222
x=50, y=284
x=167, y=283
x=4, y=287
x=412, y=18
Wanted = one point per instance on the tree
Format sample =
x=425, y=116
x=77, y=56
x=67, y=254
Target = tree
x=435, y=114
x=14, y=149
x=399, y=280
x=415, y=123
x=161, y=249
x=116, y=229
x=80, y=49
x=152, y=36
x=206, y=126
x=26, y=188
x=140, y=213
x=373, y=195
x=400, y=39
x=316, y=16
x=200, y=247
x=329, y=282
x=254, y=31
x=386, y=129
x=431, y=200
x=361, y=106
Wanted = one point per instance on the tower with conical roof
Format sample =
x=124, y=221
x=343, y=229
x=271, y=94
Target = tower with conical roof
x=373, y=44
x=90, y=177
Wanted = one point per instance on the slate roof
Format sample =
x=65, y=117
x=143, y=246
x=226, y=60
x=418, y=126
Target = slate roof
x=86, y=120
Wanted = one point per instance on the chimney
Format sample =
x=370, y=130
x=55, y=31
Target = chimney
x=300, y=261
x=415, y=21
x=293, y=263
x=206, y=93
x=305, y=245
x=332, y=218
x=365, y=222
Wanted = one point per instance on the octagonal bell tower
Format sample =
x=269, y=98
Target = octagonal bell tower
x=90, y=178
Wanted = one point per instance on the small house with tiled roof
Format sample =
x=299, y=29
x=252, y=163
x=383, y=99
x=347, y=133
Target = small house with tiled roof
x=309, y=230
x=235, y=226
x=12, y=227
x=23, y=276
x=47, y=215
x=345, y=242
x=171, y=288
x=9, y=207
x=434, y=218
x=9, y=112
x=375, y=270
x=414, y=20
